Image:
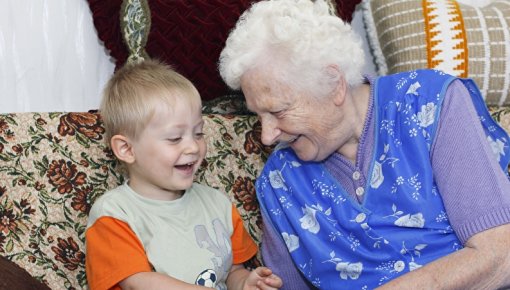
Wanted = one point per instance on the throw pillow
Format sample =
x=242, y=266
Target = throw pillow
x=459, y=39
x=106, y=17
x=189, y=35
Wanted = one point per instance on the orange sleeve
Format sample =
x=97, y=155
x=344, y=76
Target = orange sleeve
x=243, y=246
x=113, y=253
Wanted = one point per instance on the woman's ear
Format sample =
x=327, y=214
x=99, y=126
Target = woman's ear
x=122, y=148
x=339, y=84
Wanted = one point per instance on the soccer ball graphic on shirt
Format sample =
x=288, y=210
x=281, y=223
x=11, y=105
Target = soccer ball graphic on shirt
x=207, y=278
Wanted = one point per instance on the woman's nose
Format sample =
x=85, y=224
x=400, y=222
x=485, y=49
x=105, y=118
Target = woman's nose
x=270, y=130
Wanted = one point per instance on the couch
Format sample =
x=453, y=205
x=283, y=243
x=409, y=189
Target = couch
x=54, y=165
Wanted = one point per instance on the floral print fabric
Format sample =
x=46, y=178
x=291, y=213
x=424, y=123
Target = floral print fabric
x=54, y=165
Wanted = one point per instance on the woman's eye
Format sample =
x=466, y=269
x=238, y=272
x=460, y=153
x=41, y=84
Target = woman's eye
x=174, y=140
x=277, y=113
x=200, y=135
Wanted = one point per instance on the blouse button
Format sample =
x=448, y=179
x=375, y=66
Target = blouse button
x=361, y=217
x=360, y=191
x=356, y=175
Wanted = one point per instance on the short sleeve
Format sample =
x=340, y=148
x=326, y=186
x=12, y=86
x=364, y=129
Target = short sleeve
x=114, y=253
x=243, y=246
x=472, y=184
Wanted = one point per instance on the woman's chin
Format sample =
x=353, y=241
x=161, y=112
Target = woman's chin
x=309, y=153
x=304, y=154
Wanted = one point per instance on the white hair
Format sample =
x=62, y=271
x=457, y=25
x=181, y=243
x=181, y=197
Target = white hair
x=298, y=39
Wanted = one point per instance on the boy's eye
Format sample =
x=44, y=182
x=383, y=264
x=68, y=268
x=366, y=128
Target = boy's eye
x=174, y=140
x=200, y=135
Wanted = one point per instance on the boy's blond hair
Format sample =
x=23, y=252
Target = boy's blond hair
x=134, y=91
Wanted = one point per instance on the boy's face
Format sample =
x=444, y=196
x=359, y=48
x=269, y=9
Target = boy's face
x=169, y=150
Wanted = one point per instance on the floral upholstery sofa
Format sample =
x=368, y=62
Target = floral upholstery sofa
x=54, y=165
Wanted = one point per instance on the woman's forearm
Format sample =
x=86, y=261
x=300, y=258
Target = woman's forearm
x=484, y=263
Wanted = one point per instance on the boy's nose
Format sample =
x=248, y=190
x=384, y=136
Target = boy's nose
x=191, y=146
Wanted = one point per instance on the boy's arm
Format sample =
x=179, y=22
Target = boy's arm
x=114, y=252
x=115, y=256
x=243, y=248
x=156, y=281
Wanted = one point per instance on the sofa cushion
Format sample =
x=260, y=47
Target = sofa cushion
x=459, y=39
x=186, y=34
x=54, y=165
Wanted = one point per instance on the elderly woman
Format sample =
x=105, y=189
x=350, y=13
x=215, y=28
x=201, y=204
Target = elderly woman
x=396, y=182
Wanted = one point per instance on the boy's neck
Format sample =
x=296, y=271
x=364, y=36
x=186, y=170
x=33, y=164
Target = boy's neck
x=154, y=192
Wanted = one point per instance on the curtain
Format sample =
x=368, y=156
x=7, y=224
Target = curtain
x=51, y=58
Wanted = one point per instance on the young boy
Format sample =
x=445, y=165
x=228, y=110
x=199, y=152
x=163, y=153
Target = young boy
x=160, y=230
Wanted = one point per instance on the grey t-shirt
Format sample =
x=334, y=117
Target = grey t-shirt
x=182, y=238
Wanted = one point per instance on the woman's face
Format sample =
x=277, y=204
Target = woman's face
x=309, y=125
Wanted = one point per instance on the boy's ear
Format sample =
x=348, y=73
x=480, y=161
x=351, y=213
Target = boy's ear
x=122, y=148
x=340, y=88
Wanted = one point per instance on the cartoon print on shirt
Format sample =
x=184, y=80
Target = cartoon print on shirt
x=221, y=250
x=207, y=278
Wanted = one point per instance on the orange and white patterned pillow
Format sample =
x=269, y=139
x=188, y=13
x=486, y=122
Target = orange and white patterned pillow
x=460, y=39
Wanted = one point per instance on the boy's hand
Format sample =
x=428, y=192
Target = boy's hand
x=262, y=278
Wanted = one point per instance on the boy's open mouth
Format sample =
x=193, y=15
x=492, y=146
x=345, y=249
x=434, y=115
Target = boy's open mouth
x=186, y=166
